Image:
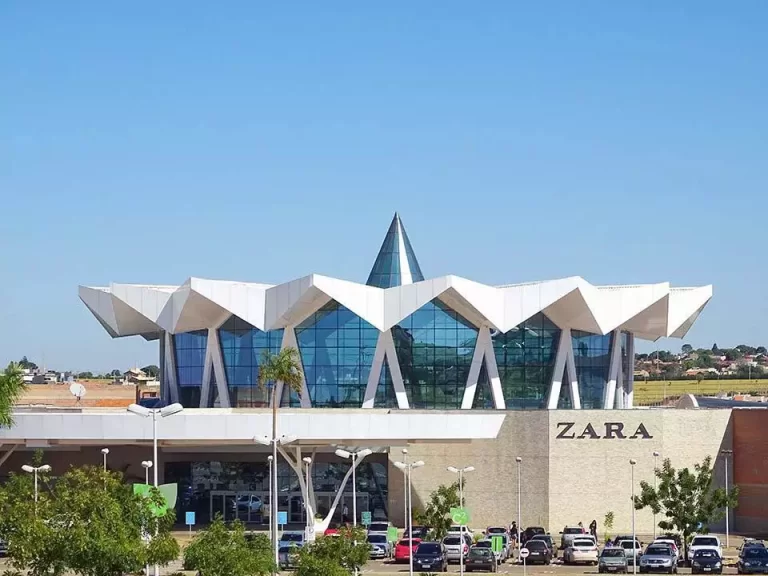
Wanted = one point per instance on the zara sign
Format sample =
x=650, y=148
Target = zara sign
x=606, y=431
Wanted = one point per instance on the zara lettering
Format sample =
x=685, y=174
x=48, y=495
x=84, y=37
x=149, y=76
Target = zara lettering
x=610, y=431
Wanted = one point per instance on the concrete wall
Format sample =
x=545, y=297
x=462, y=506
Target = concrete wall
x=750, y=463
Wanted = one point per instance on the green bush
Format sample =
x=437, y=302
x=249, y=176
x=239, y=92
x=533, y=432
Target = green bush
x=310, y=565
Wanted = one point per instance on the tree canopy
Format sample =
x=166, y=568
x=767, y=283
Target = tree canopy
x=152, y=371
x=281, y=367
x=12, y=386
x=436, y=516
x=686, y=498
x=349, y=551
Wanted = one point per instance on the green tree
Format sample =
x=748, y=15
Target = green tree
x=12, y=386
x=349, y=549
x=151, y=370
x=85, y=375
x=222, y=550
x=437, y=514
x=88, y=521
x=687, y=499
x=686, y=349
x=608, y=525
x=25, y=364
x=310, y=565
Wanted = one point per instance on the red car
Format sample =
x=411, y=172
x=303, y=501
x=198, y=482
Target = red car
x=405, y=547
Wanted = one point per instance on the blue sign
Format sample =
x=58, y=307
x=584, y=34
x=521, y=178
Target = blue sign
x=282, y=518
x=190, y=519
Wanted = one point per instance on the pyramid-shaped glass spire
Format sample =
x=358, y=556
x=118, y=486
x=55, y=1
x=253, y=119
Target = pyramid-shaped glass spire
x=396, y=263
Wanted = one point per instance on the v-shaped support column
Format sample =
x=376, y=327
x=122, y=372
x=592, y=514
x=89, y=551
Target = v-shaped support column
x=483, y=353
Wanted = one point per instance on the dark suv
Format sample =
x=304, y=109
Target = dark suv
x=530, y=532
x=538, y=551
x=430, y=557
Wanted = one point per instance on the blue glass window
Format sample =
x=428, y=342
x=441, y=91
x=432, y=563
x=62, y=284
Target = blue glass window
x=592, y=353
x=385, y=391
x=526, y=357
x=189, y=348
x=337, y=348
x=434, y=349
x=386, y=270
x=483, y=393
x=242, y=347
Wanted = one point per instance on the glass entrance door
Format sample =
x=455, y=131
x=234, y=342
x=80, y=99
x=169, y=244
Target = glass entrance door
x=248, y=507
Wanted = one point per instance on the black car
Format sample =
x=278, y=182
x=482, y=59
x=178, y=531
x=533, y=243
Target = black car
x=430, y=557
x=530, y=532
x=753, y=560
x=480, y=559
x=538, y=552
x=750, y=543
x=418, y=532
x=550, y=542
x=706, y=562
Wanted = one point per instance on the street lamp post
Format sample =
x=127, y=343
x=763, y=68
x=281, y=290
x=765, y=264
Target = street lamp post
x=269, y=459
x=519, y=508
x=355, y=456
x=408, y=468
x=405, y=492
x=726, y=454
x=35, y=470
x=632, y=463
x=146, y=464
x=655, y=466
x=104, y=452
x=461, y=472
x=164, y=412
x=308, y=462
x=273, y=442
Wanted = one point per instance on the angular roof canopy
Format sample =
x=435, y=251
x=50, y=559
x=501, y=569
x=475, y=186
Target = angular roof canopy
x=396, y=262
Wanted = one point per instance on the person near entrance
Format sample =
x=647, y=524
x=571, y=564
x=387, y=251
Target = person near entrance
x=345, y=514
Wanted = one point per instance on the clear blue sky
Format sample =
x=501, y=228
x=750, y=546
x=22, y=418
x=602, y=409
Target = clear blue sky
x=148, y=142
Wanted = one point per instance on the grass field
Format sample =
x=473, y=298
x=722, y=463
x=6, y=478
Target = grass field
x=656, y=391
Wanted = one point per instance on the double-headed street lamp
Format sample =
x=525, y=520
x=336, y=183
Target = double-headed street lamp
x=146, y=464
x=104, y=452
x=355, y=456
x=164, y=412
x=408, y=468
x=35, y=470
x=274, y=442
x=461, y=472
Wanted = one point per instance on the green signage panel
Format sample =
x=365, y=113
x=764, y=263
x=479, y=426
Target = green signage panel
x=460, y=516
x=392, y=534
x=497, y=543
x=169, y=492
x=366, y=518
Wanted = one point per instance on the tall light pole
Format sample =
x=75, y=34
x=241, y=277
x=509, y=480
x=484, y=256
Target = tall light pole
x=164, y=412
x=726, y=454
x=519, y=508
x=308, y=462
x=273, y=442
x=408, y=469
x=104, y=452
x=269, y=459
x=355, y=456
x=146, y=464
x=461, y=472
x=405, y=492
x=35, y=470
x=632, y=463
x=655, y=466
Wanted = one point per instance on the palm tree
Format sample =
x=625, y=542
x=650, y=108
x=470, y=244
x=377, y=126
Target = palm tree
x=12, y=386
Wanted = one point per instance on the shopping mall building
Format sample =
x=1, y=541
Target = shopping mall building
x=459, y=373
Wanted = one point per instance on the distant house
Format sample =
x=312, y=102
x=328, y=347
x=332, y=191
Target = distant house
x=138, y=377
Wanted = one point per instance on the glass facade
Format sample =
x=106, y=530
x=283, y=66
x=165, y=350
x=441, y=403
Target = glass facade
x=526, y=358
x=434, y=349
x=189, y=348
x=241, y=489
x=337, y=349
x=242, y=347
x=385, y=391
x=483, y=394
x=386, y=271
x=592, y=353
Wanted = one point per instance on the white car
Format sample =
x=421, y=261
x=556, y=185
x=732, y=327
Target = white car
x=632, y=555
x=669, y=542
x=456, y=530
x=704, y=543
x=582, y=549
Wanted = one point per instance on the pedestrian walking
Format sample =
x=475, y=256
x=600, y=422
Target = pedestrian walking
x=345, y=514
x=593, y=529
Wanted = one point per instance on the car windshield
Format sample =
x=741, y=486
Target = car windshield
x=292, y=537
x=536, y=545
x=583, y=543
x=658, y=551
x=479, y=552
x=377, y=539
x=573, y=531
x=756, y=552
x=452, y=541
x=613, y=552
x=285, y=549
x=704, y=541
x=706, y=554
x=378, y=527
x=407, y=542
x=428, y=548
x=628, y=544
x=496, y=530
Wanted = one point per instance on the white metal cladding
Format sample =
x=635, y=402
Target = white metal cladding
x=648, y=311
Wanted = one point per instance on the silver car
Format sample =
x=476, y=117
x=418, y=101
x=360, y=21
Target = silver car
x=454, y=547
x=380, y=546
x=658, y=558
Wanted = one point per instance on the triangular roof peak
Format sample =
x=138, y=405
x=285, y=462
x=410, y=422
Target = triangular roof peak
x=396, y=263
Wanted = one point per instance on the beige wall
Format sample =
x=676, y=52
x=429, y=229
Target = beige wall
x=564, y=481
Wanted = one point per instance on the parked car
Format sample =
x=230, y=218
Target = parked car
x=456, y=547
x=380, y=546
x=481, y=559
x=658, y=558
x=379, y=528
x=568, y=534
x=538, y=552
x=669, y=542
x=430, y=557
x=633, y=549
x=292, y=537
x=754, y=560
x=404, y=547
x=246, y=502
x=488, y=544
x=456, y=529
x=704, y=543
x=706, y=562
x=416, y=532
x=333, y=528
x=750, y=543
x=530, y=532
x=674, y=537
x=621, y=537
x=550, y=542
x=288, y=555
x=612, y=560
x=491, y=530
x=581, y=550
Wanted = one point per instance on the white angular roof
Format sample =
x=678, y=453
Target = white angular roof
x=650, y=311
